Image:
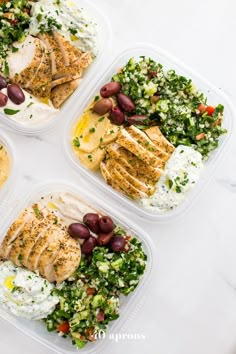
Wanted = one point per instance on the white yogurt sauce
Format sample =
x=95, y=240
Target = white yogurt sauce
x=25, y=293
x=180, y=175
x=75, y=24
x=31, y=112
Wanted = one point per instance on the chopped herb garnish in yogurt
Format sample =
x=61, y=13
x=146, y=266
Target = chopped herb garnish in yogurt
x=11, y=112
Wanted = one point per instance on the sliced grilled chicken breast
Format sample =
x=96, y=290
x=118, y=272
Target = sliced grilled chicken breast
x=40, y=85
x=136, y=167
x=128, y=142
x=49, y=237
x=67, y=260
x=135, y=182
x=158, y=139
x=14, y=231
x=118, y=179
x=15, y=254
x=23, y=63
x=69, y=52
x=147, y=143
x=39, y=227
x=60, y=81
x=60, y=93
x=84, y=60
x=57, y=61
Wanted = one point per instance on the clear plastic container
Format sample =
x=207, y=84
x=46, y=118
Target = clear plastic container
x=104, y=42
x=215, y=96
x=37, y=329
x=9, y=182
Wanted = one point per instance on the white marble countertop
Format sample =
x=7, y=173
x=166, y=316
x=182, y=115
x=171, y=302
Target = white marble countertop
x=190, y=305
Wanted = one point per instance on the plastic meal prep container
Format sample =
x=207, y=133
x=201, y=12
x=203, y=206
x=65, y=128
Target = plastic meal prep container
x=4, y=190
x=37, y=329
x=214, y=95
x=104, y=40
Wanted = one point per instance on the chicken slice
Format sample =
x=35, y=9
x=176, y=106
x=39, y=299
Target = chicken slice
x=75, y=71
x=56, y=57
x=135, y=182
x=108, y=178
x=67, y=260
x=60, y=93
x=18, y=245
x=69, y=52
x=125, y=140
x=158, y=139
x=23, y=63
x=60, y=81
x=14, y=231
x=39, y=227
x=118, y=179
x=147, y=143
x=47, y=260
x=51, y=234
x=84, y=61
x=136, y=167
x=40, y=85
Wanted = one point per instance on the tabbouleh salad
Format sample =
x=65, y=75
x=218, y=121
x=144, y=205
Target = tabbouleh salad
x=173, y=103
x=90, y=299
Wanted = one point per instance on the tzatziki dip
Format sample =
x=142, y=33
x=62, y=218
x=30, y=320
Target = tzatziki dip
x=181, y=173
x=71, y=21
x=25, y=293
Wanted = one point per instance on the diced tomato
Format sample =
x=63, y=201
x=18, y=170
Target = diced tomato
x=127, y=237
x=100, y=315
x=91, y=291
x=202, y=107
x=64, y=327
x=13, y=22
x=210, y=110
x=200, y=136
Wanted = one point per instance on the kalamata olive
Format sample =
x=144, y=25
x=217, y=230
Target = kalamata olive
x=102, y=106
x=106, y=224
x=125, y=102
x=110, y=89
x=3, y=99
x=3, y=82
x=15, y=94
x=138, y=119
x=89, y=245
x=104, y=238
x=117, y=243
x=116, y=116
x=92, y=221
x=78, y=230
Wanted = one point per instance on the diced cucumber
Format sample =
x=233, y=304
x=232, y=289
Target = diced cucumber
x=162, y=106
x=97, y=301
x=117, y=264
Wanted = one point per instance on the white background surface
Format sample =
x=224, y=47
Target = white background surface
x=190, y=307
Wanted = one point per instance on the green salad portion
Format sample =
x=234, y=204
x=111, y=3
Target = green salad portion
x=90, y=299
x=14, y=21
x=172, y=102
